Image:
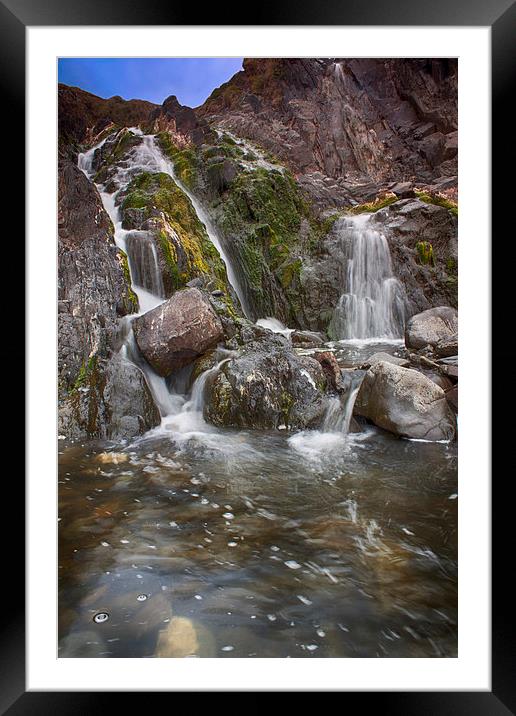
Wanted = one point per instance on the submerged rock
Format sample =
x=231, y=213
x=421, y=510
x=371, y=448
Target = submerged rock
x=405, y=402
x=179, y=330
x=267, y=386
x=430, y=327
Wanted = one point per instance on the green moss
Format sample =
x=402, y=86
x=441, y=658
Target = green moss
x=289, y=272
x=451, y=265
x=182, y=231
x=131, y=296
x=371, y=206
x=438, y=200
x=185, y=160
x=327, y=224
x=425, y=252
x=86, y=371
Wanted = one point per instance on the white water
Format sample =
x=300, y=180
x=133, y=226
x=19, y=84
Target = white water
x=147, y=157
x=182, y=415
x=338, y=416
x=274, y=325
x=146, y=277
x=372, y=302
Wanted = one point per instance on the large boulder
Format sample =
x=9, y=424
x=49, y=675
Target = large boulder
x=447, y=346
x=405, y=402
x=430, y=327
x=179, y=330
x=111, y=399
x=267, y=386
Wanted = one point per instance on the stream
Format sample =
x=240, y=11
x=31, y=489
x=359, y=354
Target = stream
x=197, y=541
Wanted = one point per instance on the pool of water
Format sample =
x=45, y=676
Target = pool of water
x=200, y=542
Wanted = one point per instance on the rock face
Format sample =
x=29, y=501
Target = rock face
x=93, y=294
x=267, y=386
x=179, y=330
x=431, y=327
x=92, y=291
x=180, y=121
x=377, y=120
x=422, y=240
x=405, y=402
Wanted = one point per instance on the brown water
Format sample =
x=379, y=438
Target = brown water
x=207, y=542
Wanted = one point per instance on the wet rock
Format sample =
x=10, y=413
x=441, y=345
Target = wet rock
x=404, y=190
x=307, y=339
x=387, y=357
x=405, y=402
x=409, y=225
x=452, y=396
x=430, y=327
x=267, y=386
x=113, y=401
x=93, y=287
x=183, y=637
x=330, y=368
x=447, y=346
x=179, y=330
x=128, y=401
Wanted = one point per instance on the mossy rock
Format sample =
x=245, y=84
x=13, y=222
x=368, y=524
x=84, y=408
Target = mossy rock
x=185, y=159
x=425, y=252
x=438, y=200
x=371, y=206
x=181, y=237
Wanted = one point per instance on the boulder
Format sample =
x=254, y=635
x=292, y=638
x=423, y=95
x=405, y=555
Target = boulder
x=112, y=400
x=403, y=190
x=331, y=369
x=381, y=356
x=267, y=386
x=447, y=346
x=405, y=402
x=177, y=331
x=307, y=339
x=430, y=327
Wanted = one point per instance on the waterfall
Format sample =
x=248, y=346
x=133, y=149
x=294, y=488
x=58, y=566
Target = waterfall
x=146, y=279
x=338, y=416
x=372, y=303
x=143, y=259
x=147, y=157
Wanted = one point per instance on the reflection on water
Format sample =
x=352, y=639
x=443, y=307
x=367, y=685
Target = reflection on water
x=237, y=544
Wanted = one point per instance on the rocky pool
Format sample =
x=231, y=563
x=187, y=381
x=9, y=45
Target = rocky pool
x=196, y=541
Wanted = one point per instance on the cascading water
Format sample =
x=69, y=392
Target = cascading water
x=372, y=303
x=144, y=270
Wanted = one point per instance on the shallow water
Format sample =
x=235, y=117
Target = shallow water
x=197, y=541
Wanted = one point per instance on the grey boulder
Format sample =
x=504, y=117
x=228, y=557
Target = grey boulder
x=267, y=386
x=430, y=327
x=405, y=402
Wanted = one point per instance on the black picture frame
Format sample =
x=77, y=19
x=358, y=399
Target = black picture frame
x=500, y=16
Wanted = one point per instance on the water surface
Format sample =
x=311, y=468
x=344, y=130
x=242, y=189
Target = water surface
x=197, y=541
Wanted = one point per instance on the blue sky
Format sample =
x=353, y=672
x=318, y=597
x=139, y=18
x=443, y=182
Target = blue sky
x=191, y=79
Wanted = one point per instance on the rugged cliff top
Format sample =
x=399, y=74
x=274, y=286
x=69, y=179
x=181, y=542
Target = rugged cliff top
x=82, y=115
x=353, y=119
